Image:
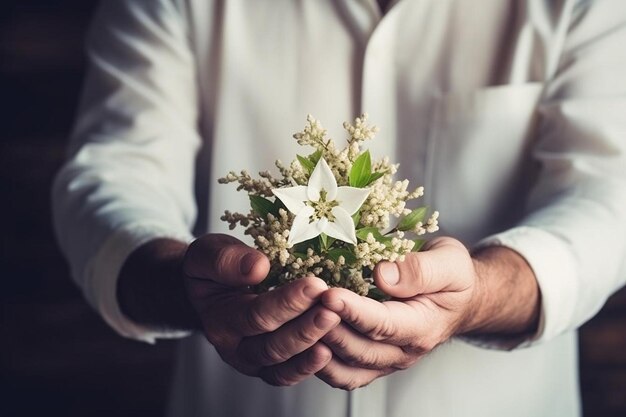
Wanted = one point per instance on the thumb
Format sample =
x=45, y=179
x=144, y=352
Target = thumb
x=442, y=267
x=225, y=260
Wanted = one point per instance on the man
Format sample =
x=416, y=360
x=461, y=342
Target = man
x=510, y=114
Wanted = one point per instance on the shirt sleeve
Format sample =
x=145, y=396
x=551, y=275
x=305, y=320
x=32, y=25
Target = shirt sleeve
x=574, y=235
x=129, y=175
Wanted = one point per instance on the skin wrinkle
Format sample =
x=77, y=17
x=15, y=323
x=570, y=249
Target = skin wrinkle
x=470, y=309
x=510, y=295
x=502, y=295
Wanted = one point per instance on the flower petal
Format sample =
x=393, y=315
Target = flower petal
x=322, y=224
x=292, y=197
x=322, y=178
x=302, y=229
x=351, y=198
x=343, y=226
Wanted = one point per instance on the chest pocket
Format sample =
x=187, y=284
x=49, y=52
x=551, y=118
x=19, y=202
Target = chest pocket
x=479, y=160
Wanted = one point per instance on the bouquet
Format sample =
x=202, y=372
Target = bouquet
x=329, y=213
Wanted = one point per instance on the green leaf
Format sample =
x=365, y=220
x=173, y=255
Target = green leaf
x=363, y=232
x=335, y=253
x=375, y=176
x=306, y=163
x=326, y=241
x=419, y=243
x=315, y=157
x=262, y=206
x=356, y=218
x=302, y=247
x=279, y=205
x=361, y=170
x=376, y=294
x=300, y=255
x=410, y=220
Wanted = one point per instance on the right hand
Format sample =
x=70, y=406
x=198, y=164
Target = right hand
x=274, y=335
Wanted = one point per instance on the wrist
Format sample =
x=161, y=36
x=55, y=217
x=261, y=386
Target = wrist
x=505, y=298
x=475, y=315
x=151, y=288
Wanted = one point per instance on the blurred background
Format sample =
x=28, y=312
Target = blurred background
x=56, y=356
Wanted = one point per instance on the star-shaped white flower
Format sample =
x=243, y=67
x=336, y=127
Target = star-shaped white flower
x=322, y=207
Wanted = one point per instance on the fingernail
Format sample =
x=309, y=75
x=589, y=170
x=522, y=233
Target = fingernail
x=323, y=321
x=336, y=305
x=317, y=356
x=389, y=272
x=247, y=263
x=311, y=292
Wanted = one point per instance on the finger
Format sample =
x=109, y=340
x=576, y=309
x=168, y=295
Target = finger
x=391, y=322
x=268, y=311
x=356, y=350
x=299, y=367
x=225, y=260
x=337, y=374
x=289, y=340
x=443, y=267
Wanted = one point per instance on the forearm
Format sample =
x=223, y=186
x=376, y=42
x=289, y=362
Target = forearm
x=151, y=287
x=507, y=299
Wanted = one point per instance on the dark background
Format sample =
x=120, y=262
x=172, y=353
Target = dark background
x=56, y=356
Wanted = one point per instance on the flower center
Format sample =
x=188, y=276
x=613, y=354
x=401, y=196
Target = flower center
x=322, y=207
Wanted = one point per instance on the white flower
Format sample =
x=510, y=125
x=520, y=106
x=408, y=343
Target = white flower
x=322, y=207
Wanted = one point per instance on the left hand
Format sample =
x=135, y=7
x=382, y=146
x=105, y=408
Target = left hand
x=434, y=298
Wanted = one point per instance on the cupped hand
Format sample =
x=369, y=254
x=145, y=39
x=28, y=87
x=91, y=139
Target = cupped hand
x=274, y=335
x=432, y=300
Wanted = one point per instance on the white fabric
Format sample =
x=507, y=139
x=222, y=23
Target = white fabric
x=510, y=113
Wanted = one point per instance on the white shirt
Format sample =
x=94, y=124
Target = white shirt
x=511, y=114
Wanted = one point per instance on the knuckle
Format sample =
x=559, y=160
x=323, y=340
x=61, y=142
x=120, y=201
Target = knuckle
x=354, y=359
x=278, y=379
x=348, y=383
x=367, y=358
x=303, y=334
x=337, y=339
x=421, y=345
x=383, y=330
x=414, y=347
x=418, y=269
x=353, y=315
x=270, y=353
x=256, y=321
x=447, y=240
x=290, y=303
x=370, y=358
x=221, y=260
x=405, y=363
x=226, y=260
x=324, y=320
x=305, y=368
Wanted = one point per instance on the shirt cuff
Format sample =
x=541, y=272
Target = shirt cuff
x=101, y=275
x=554, y=267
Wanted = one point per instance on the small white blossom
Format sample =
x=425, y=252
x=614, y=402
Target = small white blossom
x=319, y=200
x=322, y=207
